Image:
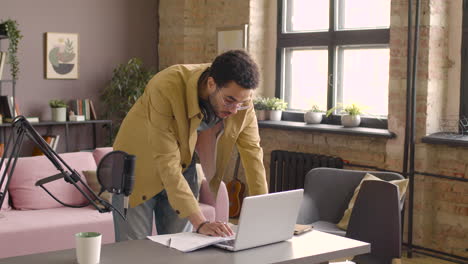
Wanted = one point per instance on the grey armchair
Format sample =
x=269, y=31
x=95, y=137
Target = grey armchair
x=376, y=219
x=327, y=192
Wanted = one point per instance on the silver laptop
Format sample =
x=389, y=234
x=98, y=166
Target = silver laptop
x=265, y=219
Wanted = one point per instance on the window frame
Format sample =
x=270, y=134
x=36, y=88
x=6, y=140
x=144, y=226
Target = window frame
x=331, y=39
x=463, y=111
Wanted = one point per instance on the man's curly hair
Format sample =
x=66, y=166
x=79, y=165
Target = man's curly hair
x=237, y=66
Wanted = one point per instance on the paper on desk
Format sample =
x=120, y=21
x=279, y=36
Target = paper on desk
x=187, y=241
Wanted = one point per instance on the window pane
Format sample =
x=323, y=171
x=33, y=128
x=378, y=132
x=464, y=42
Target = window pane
x=364, y=79
x=306, y=74
x=358, y=14
x=306, y=15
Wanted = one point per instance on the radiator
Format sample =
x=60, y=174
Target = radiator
x=288, y=169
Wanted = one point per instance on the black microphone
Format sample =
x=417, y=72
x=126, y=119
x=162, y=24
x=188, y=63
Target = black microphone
x=128, y=179
x=129, y=174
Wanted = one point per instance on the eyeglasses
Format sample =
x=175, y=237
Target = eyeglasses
x=239, y=106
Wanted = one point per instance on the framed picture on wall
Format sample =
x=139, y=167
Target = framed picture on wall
x=229, y=38
x=61, y=55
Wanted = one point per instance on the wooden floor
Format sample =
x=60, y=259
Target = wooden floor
x=422, y=259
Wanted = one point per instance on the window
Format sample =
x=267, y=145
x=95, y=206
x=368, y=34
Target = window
x=334, y=52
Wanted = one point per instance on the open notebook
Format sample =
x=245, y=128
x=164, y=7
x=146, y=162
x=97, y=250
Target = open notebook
x=187, y=241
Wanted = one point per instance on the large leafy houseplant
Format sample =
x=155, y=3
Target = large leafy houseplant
x=10, y=29
x=126, y=86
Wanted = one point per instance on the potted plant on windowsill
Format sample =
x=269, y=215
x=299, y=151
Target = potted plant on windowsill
x=276, y=107
x=352, y=116
x=314, y=115
x=260, y=108
x=59, y=110
x=10, y=29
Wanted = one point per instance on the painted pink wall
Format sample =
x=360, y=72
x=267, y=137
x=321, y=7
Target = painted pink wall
x=110, y=33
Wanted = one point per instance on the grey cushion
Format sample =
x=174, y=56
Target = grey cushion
x=328, y=228
x=327, y=192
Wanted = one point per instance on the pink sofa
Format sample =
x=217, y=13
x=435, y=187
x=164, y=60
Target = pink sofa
x=36, y=223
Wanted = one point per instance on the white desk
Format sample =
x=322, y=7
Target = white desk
x=311, y=247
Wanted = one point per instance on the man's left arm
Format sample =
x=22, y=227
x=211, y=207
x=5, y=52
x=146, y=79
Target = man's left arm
x=248, y=145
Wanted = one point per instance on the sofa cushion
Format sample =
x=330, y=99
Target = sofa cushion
x=101, y=152
x=34, y=231
x=93, y=183
x=5, y=205
x=25, y=195
x=208, y=211
x=401, y=184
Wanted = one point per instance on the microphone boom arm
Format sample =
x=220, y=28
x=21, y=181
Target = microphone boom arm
x=22, y=127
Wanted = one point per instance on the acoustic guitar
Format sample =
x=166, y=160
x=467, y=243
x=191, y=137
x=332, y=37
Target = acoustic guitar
x=236, y=190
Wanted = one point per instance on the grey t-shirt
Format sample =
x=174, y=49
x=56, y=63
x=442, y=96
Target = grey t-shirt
x=205, y=126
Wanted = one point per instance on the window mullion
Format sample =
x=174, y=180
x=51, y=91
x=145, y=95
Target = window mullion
x=331, y=56
x=331, y=77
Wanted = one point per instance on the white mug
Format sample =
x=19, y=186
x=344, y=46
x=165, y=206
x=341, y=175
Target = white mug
x=88, y=247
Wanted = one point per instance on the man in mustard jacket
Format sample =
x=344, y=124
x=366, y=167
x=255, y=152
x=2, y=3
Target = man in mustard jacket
x=178, y=108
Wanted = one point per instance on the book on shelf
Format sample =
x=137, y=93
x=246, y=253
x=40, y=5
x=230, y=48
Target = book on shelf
x=6, y=106
x=15, y=103
x=3, y=56
x=84, y=107
x=52, y=141
x=31, y=119
x=93, y=111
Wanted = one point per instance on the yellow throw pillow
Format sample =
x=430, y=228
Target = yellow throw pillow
x=93, y=183
x=401, y=184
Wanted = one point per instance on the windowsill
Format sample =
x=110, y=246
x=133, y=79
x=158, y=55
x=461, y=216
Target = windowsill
x=325, y=128
x=450, y=139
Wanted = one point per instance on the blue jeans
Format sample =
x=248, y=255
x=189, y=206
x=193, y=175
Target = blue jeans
x=139, y=222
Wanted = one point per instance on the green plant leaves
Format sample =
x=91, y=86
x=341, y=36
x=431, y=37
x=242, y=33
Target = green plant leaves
x=276, y=104
x=56, y=103
x=126, y=86
x=14, y=36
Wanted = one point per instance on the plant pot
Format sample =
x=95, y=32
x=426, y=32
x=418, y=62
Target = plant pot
x=275, y=115
x=59, y=114
x=313, y=117
x=350, y=120
x=261, y=115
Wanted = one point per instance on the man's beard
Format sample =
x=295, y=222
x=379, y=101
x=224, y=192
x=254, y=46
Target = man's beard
x=208, y=110
x=212, y=102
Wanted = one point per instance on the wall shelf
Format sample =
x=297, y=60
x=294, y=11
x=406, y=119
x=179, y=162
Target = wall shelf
x=105, y=124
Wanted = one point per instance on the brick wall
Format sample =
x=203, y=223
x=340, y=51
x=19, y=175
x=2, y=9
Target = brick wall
x=188, y=28
x=188, y=35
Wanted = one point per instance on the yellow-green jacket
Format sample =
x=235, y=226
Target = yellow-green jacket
x=161, y=130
